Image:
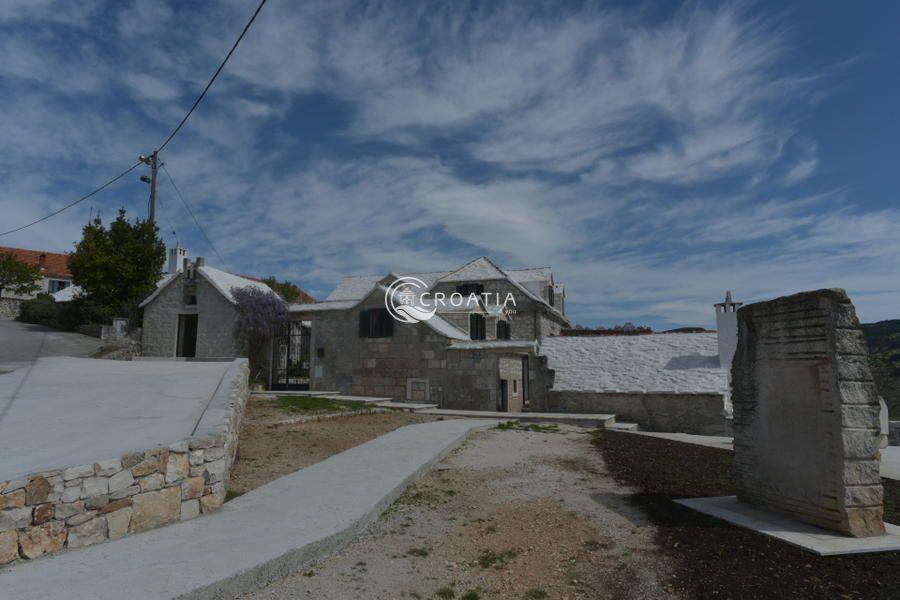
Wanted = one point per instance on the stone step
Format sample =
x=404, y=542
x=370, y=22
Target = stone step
x=623, y=426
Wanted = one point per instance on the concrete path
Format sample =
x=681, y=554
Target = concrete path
x=259, y=537
x=584, y=420
x=23, y=343
x=890, y=456
x=64, y=412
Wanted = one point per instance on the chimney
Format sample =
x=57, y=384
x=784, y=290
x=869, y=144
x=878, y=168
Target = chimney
x=42, y=261
x=726, y=326
x=177, y=256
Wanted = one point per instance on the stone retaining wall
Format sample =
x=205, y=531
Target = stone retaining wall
x=702, y=414
x=86, y=504
x=10, y=308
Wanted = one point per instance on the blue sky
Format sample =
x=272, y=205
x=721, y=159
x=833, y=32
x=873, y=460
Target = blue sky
x=653, y=154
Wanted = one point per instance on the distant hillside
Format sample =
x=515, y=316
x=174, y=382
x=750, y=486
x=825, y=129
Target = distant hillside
x=884, y=357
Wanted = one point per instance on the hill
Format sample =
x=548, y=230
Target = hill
x=884, y=358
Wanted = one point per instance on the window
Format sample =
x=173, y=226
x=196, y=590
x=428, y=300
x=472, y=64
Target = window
x=375, y=323
x=476, y=327
x=470, y=288
x=502, y=330
x=54, y=285
x=550, y=294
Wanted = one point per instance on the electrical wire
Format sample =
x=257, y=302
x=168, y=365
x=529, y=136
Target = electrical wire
x=82, y=199
x=214, y=77
x=164, y=144
x=196, y=221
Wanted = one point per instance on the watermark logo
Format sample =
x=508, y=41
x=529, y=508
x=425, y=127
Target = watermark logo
x=401, y=300
x=409, y=300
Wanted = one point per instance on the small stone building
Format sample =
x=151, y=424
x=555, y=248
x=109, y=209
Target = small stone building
x=192, y=312
x=478, y=357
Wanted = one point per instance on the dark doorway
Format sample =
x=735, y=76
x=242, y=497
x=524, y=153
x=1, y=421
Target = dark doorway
x=290, y=357
x=503, y=400
x=526, y=401
x=187, y=336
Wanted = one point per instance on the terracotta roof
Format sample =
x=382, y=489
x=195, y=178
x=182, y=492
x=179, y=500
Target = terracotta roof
x=55, y=264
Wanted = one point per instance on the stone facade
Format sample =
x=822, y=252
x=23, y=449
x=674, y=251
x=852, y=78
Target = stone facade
x=806, y=413
x=215, y=322
x=10, y=308
x=82, y=505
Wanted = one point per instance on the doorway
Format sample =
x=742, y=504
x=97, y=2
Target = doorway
x=503, y=400
x=187, y=336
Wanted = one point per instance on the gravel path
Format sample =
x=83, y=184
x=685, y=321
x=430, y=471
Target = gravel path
x=510, y=514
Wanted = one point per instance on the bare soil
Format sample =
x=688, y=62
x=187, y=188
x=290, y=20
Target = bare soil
x=268, y=450
x=713, y=559
x=512, y=513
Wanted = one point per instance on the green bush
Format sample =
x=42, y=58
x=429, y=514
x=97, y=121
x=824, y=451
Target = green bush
x=41, y=310
x=84, y=311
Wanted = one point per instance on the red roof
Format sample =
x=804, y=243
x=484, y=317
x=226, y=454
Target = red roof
x=53, y=264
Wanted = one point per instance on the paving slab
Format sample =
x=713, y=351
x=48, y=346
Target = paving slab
x=62, y=412
x=262, y=536
x=814, y=539
x=582, y=419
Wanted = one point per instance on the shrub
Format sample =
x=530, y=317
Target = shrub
x=41, y=310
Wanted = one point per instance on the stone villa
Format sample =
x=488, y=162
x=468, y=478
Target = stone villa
x=485, y=357
x=55, y=276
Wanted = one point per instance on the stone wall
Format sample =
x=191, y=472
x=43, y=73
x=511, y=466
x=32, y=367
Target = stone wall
x=10, y=308
x=806, y=413
x=702, y=414
x=42, y=513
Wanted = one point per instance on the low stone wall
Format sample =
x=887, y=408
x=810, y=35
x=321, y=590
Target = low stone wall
x=86, y=504
x=702, y=414
x=10, y=308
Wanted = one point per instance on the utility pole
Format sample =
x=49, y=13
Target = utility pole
x=153, y=162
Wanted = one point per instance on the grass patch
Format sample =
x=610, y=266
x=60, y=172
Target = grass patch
x=713, y=559
x=316, y=405
x=419, y=552
x=498, y=560
x=232, y=494
x=471, y=595
x=446, y=593
x=536, y=594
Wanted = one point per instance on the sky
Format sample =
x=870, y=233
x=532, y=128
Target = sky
x=653, y=154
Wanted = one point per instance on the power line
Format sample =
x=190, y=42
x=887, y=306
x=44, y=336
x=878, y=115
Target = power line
x=168, y=139
x=82, y=199
x=196, y=222
x=215, y=75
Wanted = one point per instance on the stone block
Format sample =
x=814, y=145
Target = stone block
x=213, y=454
x=114, y=506
x=71, y=494
x=86, y=534
x=78, y=472
x=151, y=482
x=42, y=513
x=131, y=459
x=216, y=470
x=94, y=486
x=190, y=509
x=81, y=518
x=108, y=467
x=181, y=447
x=9, y=547
x=118, y=523
x=37, y=490
x=120, y=481
x=192, y=487
x=129, y=491
x=145, y=467
x=43, y=539
x=153, y=509
x=64, y=511
x=195, y=458
x=212, y=502
x=14, y=499
x=177, y=467
x=97, y=501
x=15, y=518
x=12, y=486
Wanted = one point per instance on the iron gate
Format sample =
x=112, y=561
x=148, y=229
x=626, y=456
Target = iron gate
x=290, y=357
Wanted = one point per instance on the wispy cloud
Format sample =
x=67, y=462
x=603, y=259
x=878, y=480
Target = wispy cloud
x=652, y=162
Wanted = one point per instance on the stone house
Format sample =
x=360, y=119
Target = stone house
x=55, y=276
x=192, y=312
x=477, y=355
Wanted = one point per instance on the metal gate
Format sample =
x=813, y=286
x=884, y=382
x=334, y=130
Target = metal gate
x=290, y=357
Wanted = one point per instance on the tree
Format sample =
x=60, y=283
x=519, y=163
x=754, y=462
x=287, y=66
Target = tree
x=17, y=276
x=118, y=266
x=288, y=291
x=258, y=314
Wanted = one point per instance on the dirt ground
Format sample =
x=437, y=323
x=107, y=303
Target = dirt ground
x=509, y=514
x=267, y=450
